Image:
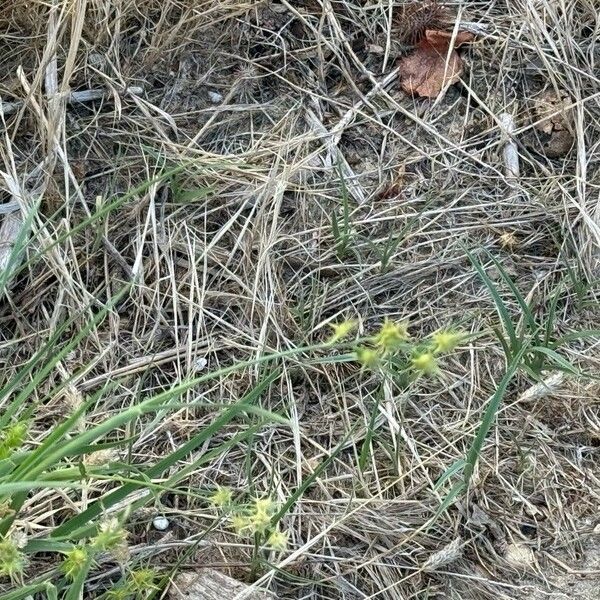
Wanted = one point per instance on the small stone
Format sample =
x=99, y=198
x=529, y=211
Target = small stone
x=160, y=523
x=200, y=364
x=559, y=144
x=215, y=97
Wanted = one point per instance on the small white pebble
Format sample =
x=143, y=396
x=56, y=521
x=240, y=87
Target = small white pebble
x=200, y=364
x=160, y=523
x=215, y=97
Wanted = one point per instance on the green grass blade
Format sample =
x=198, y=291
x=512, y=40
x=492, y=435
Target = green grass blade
x=50, y=445
x=95, y=509
x=27, y=486
x=366, y=445
x=525, y=308
x=456, y=491
x=41, y=371
x=29, y=590
x=19, y=246
x=550, y=318
x=75, y=590
x=309, y=480
x=450, y=472
x=559, y=361
x=490, y=414
x=498, y=302
x=576, y=335
x=505, y=345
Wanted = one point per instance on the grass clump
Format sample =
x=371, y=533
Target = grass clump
x=179, y=252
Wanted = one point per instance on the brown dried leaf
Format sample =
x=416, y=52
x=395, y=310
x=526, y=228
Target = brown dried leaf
x=552, y=111
x=431, y=68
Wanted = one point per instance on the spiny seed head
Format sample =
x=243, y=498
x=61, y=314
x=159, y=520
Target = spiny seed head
x=247, y=78
x=425, y=363
x=240, y=523
x=278, y=540
x=391, y=335
x=367, y=357
x=12, y=560
x=14, y=436
x=265, y=505
x=221, y=497
x=260, y=519
x=75, y=560
x=142, y=580
x=259, y=522
x=101, y=458
x=509, y=240
x=112, y=538
x=342, y=330
x=446, y=340
x=119, y=593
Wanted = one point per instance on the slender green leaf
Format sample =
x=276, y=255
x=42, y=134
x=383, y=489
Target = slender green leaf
x=96, y=508
x=456, y=491
x=6, y=489
x=366, y=445
x=29, y=590
x=550, y=317
x=561, y=362
x=500, y=306
x=41, y=372
x=310, y=479
x=450, y=472
x=527, y=312
x=490, y=414
x=19, y=245
x=576, y=335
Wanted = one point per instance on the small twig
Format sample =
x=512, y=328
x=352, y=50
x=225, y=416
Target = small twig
x=142, y=364
x=81, y=97
x=570, y=570
x=511, y=151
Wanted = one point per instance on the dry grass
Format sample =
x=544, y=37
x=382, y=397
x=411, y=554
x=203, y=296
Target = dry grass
x=234, y=256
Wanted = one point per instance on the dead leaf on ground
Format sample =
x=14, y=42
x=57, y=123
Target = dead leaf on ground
x=430, y=68
x=552, y=111
x=552, y=117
